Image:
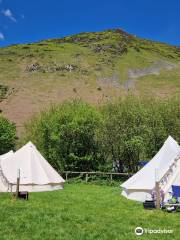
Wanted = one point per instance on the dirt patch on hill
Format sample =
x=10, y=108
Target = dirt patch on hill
x=132, y=74
x=155, y=68
x=111, y=81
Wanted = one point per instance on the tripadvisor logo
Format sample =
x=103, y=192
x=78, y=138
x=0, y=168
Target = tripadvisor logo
x=139, y=231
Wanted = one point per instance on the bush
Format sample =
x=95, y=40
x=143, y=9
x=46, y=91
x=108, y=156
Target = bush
x=134, y=129
x=66, y=136
x=7, y=135
x=76, y=136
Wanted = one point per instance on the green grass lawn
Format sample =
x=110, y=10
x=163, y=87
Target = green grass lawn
x=81, y=211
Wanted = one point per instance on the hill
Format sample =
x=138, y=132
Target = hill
x=96, y=67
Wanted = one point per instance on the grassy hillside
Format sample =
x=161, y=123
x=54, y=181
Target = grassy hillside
x=81, y=212
x=96, y=67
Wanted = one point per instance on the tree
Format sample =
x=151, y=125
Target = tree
x=115, y=136
x=133, y=130
x=67, y=136
x=7, y=135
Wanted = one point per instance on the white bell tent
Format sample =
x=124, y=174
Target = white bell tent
x=36, y=174
x=3, y=181
x=164, y=168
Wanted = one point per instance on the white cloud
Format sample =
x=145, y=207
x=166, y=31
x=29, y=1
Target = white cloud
x=8, y=13
x=1, y=36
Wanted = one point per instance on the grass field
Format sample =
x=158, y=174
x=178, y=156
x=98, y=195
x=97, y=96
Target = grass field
x=79, y=212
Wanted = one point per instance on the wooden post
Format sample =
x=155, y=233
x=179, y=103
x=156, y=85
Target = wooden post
x=111, y=177
x=157, y=189
x=18, y=182
x=11, y=187
x=66, y=176
x=86, y=177
x=158, y=197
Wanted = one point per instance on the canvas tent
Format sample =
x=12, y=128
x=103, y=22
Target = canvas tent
x=164, y=168
x=36, y=174
x=4, y=186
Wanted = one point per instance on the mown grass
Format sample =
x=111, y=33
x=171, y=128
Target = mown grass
x=79, y=212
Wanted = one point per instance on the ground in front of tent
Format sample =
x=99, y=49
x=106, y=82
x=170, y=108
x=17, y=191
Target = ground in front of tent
x=82, y=211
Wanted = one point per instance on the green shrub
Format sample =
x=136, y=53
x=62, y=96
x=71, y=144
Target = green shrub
x=66, y=136
x=3, y=91
x=115, y=137
x=7, y=135
x=134, y=129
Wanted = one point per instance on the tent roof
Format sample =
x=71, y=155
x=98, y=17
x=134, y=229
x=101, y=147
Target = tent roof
x=6, y=155
x=34, y=169
x=156, y=168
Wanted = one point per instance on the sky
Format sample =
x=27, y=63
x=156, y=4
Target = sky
x=34, y=20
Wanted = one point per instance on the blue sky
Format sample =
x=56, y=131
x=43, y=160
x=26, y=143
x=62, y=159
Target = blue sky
x=24, y=21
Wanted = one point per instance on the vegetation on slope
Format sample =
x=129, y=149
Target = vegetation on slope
x=3, y=92
x=96, y=67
